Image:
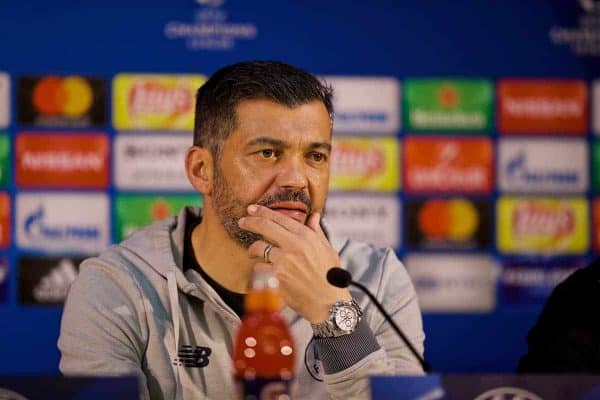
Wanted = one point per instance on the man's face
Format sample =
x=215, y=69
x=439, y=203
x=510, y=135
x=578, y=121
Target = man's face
x=277, y=157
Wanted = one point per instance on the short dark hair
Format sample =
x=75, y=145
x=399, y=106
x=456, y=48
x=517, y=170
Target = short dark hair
x=217, y=99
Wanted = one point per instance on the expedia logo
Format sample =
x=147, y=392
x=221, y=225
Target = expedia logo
x=150, y=162
x=508, y=393
x=150, y=151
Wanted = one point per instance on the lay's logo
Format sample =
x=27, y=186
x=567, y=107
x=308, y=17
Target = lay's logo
x=355, y=160
x=543, y=225
x=359, y=163
x=155, y=102
x=535, y=219
x=159, y=99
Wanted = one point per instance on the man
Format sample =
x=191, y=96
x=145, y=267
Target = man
x=262, y=143
x=566, y=336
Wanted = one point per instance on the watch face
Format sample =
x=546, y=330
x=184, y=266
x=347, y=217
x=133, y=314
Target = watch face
x=346, y=318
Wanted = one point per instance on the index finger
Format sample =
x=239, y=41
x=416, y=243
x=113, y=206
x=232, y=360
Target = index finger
x=287, y=222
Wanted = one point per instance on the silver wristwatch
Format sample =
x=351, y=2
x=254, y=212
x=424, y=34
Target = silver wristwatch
x=343, y=318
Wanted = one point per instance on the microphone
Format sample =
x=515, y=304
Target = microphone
x=341, y=278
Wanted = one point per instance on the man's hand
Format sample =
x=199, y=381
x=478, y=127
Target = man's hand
x=300, y=259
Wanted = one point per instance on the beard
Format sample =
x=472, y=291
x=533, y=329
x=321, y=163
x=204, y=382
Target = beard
x=230, y=208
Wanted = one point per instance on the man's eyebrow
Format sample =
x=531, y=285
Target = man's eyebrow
x=265, y=140
x=320, y=145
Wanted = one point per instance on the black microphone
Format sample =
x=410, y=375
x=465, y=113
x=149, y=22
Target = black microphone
x=341, y=278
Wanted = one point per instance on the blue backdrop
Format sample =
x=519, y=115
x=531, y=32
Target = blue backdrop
x=459, y=38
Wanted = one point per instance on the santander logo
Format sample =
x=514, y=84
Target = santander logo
x=531, y=218
x=147, y=97
x=348, y=159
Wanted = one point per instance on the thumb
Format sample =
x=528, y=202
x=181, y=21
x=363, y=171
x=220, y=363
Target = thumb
x=314, y=222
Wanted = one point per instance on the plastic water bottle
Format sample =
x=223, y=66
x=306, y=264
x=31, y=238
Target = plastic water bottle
x=263, y=353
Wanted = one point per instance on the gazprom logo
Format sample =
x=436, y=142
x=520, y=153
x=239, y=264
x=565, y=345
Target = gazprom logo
x=543, y=165
x=36, y=226
x=517, y=168
x=62, y=222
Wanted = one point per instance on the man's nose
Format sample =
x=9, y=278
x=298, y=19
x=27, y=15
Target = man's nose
x=292, y=174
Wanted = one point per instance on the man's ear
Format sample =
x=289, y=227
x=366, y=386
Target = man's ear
x=199, y=168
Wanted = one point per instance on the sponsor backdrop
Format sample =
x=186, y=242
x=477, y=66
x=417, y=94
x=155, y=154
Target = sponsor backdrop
x=466, y=138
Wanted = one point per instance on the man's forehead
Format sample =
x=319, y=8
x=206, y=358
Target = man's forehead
x=266, y=117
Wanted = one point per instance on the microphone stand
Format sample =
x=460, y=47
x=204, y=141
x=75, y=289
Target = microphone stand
x=424, y=364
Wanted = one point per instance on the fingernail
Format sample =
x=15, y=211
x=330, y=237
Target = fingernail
x=252, y=208
x=241, y=221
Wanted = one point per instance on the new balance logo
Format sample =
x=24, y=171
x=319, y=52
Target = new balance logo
x=193, y=356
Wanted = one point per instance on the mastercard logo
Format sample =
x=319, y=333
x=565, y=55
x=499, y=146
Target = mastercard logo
x=455, y=219
x=70, y=97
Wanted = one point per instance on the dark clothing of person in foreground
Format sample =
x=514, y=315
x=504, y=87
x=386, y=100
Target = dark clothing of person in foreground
x=566, y=337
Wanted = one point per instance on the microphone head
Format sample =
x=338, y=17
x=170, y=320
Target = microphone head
x=339, y=277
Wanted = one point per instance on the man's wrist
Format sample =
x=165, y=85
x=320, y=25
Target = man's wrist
x=339, y=353
x=322, y=311
x=342, y=320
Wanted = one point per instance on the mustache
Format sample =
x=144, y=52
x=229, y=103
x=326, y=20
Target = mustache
x=287, y=195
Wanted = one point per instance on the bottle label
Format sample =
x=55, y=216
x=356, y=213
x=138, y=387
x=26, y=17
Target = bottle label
x=264, y=389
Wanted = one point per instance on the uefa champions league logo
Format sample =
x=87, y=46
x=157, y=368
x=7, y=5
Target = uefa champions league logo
x=508, y=393
x=211, y=3
x=590, y=5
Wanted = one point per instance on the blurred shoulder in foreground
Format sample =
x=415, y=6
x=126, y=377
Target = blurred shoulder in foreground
x=566, y=337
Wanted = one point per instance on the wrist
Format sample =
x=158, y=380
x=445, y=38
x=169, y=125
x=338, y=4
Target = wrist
x=343, y=319
x=322, y=312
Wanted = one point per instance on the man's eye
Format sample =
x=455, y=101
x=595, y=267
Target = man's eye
x=318, y=157
x=267, y=153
